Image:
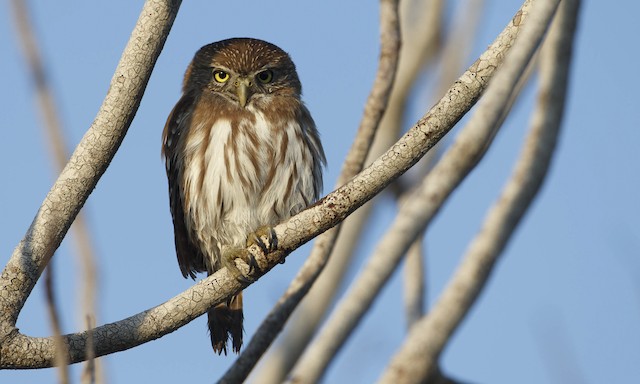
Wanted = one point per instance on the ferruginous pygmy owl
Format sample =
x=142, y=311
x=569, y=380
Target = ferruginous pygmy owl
x=242, y=153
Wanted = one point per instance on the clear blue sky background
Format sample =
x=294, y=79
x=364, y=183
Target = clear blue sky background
x=563, y=305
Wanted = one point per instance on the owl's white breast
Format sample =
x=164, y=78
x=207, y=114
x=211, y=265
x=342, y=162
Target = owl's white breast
x=241, y=177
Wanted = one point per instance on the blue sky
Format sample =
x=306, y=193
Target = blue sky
x=563, y=305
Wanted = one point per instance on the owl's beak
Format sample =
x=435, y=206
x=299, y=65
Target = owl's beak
x=242, y=90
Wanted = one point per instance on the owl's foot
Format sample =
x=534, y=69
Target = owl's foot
x=230, y=255
x=256, y=238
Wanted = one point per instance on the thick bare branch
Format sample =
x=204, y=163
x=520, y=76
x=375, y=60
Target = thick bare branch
x=426, y=340
x=54, y=132
x=20, y=351
x=87, y=164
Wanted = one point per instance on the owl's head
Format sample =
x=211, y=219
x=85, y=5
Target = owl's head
x=243, y=70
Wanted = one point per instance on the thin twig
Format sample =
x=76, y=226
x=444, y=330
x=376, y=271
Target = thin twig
x=427, y=339
x=87, y=164
x=61, y=360
x=550, y=332
x=455, y=50
x=54, y=131
x=92, y=372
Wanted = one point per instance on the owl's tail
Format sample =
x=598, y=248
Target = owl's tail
x=225, y=320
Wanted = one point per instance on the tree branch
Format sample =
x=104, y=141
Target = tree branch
x=20, y=351
x=427, y=339
x=59, y=152
x=87, y=164
x=455, y=53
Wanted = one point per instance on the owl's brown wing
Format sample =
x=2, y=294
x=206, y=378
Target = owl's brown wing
x=190, y=258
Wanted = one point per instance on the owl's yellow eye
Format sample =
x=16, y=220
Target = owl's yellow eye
x=220, y=76
x=265, y=76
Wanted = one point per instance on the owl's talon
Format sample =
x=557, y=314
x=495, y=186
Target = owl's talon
x=256, y=238
x=273, y=239
x=229, y=257
x=243, y=280
x=253, y=264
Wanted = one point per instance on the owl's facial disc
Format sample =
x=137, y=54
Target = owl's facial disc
x=243, y=90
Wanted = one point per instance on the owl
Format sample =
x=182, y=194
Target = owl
x=242, y=154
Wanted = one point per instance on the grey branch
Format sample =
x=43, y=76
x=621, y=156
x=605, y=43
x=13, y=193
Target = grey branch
x=54, y=132
x=454, y=54
x=20, y=351
x=427, y=339
x=82, y=172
